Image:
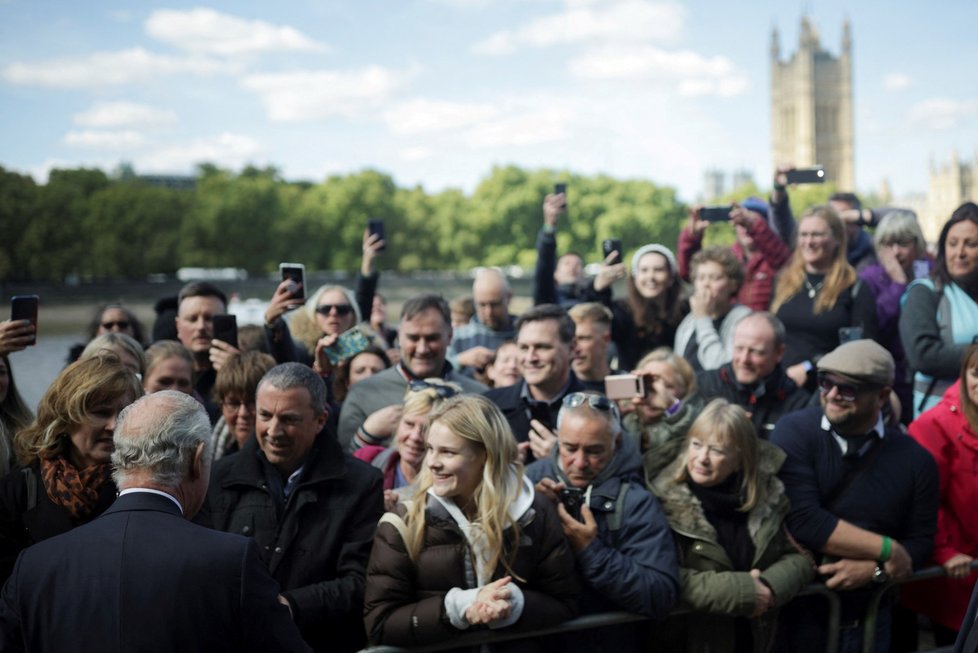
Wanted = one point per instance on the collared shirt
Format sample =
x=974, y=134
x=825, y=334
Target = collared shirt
x=843, y=443
x=133, y=490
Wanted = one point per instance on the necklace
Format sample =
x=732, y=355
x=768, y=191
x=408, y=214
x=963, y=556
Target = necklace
x=813, y=290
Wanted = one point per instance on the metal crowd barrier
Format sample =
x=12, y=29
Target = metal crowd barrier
x=477, y=638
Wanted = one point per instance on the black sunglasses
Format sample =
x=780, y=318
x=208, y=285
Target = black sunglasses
x=845, y=391
x=341, y=309
x=442, y=391
x=122, y=324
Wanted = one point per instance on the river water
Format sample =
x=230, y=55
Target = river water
x=36, y=367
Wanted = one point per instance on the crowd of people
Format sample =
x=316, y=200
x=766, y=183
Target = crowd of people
x=740, y=422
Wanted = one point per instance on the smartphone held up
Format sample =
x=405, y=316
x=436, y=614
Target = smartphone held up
x=296, y=273
x=24, y=307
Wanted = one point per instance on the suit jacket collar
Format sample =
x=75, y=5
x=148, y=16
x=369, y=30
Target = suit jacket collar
x=143, y=501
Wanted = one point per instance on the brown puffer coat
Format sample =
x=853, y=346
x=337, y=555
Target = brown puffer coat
x=404, y=601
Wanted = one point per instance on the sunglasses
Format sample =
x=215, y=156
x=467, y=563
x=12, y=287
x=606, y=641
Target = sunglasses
x=845, y=391
x=597, y=402
x=122, y=324
x=341, y=309
x=442, y=391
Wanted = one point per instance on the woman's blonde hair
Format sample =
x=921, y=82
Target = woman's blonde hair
x=82, y=387
x=840, y=275
x=685, y=374
x=162, y=350
x=108, y=341
x=303, y=325
x=478, y=420
x=728, y=424
x=423, y=400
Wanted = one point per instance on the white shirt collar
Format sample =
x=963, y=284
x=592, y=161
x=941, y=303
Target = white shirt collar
x=878, y=428
x=133, y=490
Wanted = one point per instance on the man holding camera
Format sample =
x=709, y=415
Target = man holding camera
x=615, y=526
x=758, y=247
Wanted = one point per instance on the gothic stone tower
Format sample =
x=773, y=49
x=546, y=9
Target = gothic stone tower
x=811, y=107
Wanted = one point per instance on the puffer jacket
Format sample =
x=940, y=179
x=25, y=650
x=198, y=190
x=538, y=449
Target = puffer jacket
x=317, y=545
x=944, y=431
x=710, y=587
x=404, y=603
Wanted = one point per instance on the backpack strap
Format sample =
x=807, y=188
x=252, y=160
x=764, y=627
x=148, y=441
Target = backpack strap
x=616, y=518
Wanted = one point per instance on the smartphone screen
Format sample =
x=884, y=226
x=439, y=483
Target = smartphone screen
x=24, y=307
x=611, y=245
x=295, y=272
x=561, y=189
x=376, y=226
x=716, y=213
x=815, y=175
x=848, y=334
x=226, y=329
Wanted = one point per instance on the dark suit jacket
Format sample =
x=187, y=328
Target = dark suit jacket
x=143, y=578
x=509, y=400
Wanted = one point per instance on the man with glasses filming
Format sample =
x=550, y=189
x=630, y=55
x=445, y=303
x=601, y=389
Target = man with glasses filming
x=864, y=496
x=615, y=526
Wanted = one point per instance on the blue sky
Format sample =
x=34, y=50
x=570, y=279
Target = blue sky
x=436, y=92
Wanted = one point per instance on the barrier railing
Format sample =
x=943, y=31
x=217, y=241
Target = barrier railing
x=590, y=621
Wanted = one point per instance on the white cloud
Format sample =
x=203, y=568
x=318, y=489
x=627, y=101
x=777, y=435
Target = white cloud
x=521, y=128
x=108, y=69
x=226, y=150
x=424, y=116
x=897, y=82
x=694, y=73
x=621, y=21
x=939, y=114
x=104, y=140
x=123, y=114
x=206, y=31
x=415, y=153
x=315, y=95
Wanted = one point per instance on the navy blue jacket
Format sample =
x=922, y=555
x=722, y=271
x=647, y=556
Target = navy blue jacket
x=143, y=578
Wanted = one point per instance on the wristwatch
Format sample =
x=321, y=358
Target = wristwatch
x=879, y=575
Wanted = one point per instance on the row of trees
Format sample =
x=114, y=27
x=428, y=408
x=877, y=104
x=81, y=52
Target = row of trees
x=84, y=223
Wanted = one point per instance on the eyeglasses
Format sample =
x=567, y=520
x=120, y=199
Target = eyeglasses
x=844, y=391
x=341, y=309
x=235, y=405
x=597, y=402
x=122, y=324
x=443, y=391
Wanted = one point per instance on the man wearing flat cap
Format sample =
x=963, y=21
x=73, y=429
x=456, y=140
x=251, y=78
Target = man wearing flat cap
x=864, y=496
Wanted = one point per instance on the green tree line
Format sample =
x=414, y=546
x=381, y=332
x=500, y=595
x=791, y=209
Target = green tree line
x=83, y=223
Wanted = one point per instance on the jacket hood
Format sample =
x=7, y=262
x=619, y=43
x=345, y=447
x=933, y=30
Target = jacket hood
x=685, y=512
x=517, y=507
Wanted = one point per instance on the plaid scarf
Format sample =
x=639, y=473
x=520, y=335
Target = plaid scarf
x=76, y=491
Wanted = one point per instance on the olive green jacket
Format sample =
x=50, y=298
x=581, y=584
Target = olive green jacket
x=661, y=441
x=710, y=588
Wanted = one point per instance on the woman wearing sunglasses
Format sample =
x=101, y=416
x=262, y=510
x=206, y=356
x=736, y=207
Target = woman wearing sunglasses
x=726, y=507
x=110, y=318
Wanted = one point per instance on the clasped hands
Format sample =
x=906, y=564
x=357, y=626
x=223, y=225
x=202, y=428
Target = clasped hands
x=493, y=602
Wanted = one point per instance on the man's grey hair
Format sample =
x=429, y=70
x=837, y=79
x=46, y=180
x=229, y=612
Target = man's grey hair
x=296, y=375
x=158, y=435
x=610, y=417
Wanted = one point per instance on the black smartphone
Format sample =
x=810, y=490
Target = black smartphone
x=716, y=213
x=813, y=175
x=541, y=413
x=376, y=226
x=24, y=307
x=295, y=272
x=226, y=329
x=610, y=245
x=561, y=189
x=573, y=499
x=848, y=334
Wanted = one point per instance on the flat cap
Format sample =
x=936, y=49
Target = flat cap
x=864, y=361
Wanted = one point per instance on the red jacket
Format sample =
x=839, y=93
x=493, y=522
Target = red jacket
x=769, y=255
x=945, y=433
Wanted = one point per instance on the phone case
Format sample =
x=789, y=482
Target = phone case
x=347, y=346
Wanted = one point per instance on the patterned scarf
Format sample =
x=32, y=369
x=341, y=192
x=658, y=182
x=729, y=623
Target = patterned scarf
x=76, y=491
